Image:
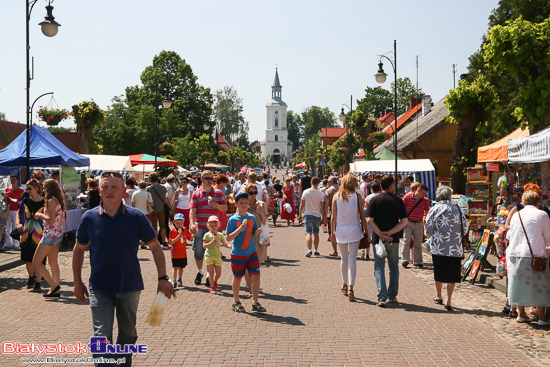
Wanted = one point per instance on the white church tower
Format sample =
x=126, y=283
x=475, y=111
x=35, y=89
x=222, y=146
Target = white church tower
x=276, y=148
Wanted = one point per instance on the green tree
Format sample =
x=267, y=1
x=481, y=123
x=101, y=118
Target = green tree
x=227, y=114
x=503, y=80
x=131, y=119
x=343, y=151
x=2, y=116
x=314, y=118
x=469, y=105
x=57, y=129
x=295, y=127
x=367, y=132
x=521, y=48
x=378, y=100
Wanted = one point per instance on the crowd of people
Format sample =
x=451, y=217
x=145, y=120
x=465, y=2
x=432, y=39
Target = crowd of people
x=212, y=211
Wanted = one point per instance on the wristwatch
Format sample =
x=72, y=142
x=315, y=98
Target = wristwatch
x=164, y=277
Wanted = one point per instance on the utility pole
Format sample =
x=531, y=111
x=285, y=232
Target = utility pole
x=454, y=76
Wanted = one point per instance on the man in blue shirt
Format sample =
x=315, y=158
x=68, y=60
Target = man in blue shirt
x=113, y=231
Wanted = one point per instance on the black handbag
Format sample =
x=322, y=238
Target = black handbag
x=167, y=208
x=364, y=244
x=15, y=234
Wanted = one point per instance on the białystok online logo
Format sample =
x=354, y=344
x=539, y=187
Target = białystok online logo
x=98, y=345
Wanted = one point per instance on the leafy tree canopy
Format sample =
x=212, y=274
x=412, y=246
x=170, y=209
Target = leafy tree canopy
x=521, y=48
x=295, y=127
x=131, y=119
x=227, y=114
x=314, y=118
x=2, y=116
x=377, y=100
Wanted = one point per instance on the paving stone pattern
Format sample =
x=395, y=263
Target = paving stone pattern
x=309, y=322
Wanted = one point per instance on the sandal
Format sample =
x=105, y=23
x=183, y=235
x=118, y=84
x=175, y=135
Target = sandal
x=351, y=296
x=344, y=289
x=237, y=307
x=438, y=301
x=334, y=254
x=257, y=307
x=513, y=313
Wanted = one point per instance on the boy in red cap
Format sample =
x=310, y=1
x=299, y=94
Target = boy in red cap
x=213, y=256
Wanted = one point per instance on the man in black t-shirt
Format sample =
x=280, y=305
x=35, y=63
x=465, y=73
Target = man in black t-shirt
x=305, y=182
x=386, y=215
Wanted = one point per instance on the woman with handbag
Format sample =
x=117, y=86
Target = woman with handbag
x=446, y=226
x=182, y=201
x=348, y=227
x=528, y=271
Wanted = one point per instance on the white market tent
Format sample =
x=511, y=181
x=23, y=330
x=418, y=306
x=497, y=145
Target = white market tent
x=100, y=163
x=145, y=169
x=530, y=149
x=423, y=168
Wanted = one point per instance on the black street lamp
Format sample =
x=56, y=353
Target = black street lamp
x=381, y=78
x=49, y=29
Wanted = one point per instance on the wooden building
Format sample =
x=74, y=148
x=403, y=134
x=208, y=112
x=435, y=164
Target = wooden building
x=427, y=137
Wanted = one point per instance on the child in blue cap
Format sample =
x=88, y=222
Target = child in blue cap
x=178, y=241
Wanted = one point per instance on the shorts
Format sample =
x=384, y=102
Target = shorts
x=239, y=264
x=51, y=242
x=198, y=244
x=217, y=261
x=179, y=263
x=157, y=218
x=312, y=224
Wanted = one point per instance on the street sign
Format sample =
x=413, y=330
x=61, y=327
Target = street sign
x=322, y=162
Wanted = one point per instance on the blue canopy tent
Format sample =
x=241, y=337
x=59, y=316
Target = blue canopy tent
x=46, y=150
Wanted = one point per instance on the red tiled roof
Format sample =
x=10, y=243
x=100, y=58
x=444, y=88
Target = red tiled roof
x=387, y=118
x=404, y=117
x=221, y=140
x=9, y=131
x=333, y=132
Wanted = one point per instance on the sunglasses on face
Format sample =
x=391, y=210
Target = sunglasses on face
x=29, y=188
x=252, y=192
x=111, y=173
x=208, y=178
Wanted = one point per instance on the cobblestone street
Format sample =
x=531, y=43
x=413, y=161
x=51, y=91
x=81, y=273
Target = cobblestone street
x=308, y=321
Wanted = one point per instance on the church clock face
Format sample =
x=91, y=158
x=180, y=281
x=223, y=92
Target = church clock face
x=276, y=112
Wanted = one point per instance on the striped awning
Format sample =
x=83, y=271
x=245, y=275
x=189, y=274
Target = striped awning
x=530, y=149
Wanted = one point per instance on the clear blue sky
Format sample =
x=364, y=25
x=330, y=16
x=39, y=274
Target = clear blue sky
x=325, y=50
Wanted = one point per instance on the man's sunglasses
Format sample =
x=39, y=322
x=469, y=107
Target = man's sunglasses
x=208, y=178
x=111, y=173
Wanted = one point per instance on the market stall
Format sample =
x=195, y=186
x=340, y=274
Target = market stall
x=100, y=163
x=422, y=169
x=46, y=151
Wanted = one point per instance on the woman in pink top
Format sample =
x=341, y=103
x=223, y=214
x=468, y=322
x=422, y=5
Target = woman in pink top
x=53, y=235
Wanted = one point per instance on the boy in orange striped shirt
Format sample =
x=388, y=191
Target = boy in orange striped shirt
x=178, y=241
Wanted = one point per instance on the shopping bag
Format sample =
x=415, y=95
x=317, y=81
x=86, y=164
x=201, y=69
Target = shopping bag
x=264, y=236
x=380, y=249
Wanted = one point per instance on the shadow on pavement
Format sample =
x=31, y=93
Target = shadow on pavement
x=409, y=307
x=275, y=263
x=285, y=320
x=12, y=283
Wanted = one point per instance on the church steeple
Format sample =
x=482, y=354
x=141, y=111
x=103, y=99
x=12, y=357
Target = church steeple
x=276, y=88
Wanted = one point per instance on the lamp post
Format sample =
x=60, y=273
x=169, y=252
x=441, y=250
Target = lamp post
x=381, y=78
x=166, y=103
x=49, y=29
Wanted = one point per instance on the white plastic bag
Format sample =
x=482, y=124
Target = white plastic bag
x=288, y=208
x=380, y=249
x=264, y=236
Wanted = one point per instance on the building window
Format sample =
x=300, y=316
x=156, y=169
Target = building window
x=276, y=122
x=276, y=137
